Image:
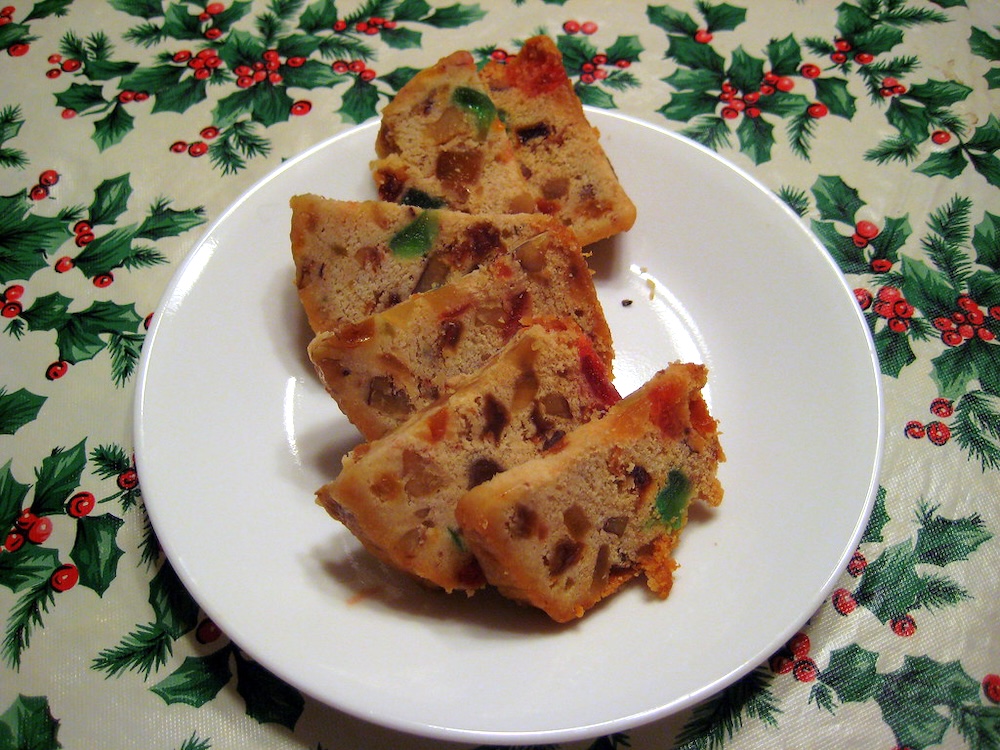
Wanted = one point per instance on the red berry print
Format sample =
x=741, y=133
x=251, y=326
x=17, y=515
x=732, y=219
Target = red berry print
x=857, y=564
x=940, y=137
x=903, y=626
x=942, y=407
x=588, y=27
x=198, y=148
x=784, y=83
x=39, y=192
x=64, y=264
x=843, y=602
x=81, y=504
x=339, y=25
x=65, y=577
x=817, y=110
x=13, y=293
x=207, y=631
x=48, y=178
x=867, y=229
x=56, y=370
x=805, y=670
x=991, y=687
x=128, y=479
x=842, y=45
x=103, y=280
x=40, y=530
x=214, y=9
x=809, y=70
x=11, y=309
x=799, y=645
x=915, y=430
x=863, y=58
x=300, y=108
x=26, y=520
x=14, y=541
x=781, y=664
x=18, y=49
x=209, y=133
x=703, y=36
x=881, y=265
x=938, y=433
x=864, y=298
x=84, y=238
x=367, y=74
x=839, y=57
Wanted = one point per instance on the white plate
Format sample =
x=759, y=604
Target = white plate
x=234, y=433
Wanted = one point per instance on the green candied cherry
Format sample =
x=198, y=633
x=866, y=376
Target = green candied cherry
x=417, y=237
x=477, y=104
x=672, y=499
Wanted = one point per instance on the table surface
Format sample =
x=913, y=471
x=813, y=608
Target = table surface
x=127, y=127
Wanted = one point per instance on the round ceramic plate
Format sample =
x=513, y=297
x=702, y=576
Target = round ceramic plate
x=234, y=434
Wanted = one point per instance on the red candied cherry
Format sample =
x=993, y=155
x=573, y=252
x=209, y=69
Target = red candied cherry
x=842, y=45
x=128, y=479
x=799, y=645
x=843, y=602
x=72, y=65
x=784, y=83
x=864, y=298
x=81, y=504
x=809, y=70
x=13, y=293
x=991, y=687
x=39, y=192
x=213, y=33
x=817, y=110
x=103, y=280
x=56, y=370
x=938, y=433
x=914, y=430
x=780, y=664
x=48, y=178
x=703, y=36
x=340, y=25
x=942, y=407
x=214, y=9
x=198, y=148
x=499, y=55
x=857, y=564
x=367, y=74
x=14, y=541
x=207, y=631
x=881, y=265
x=40, y=530
x=805, y=670
x=64, y=264
x=940, y=137
x=65, y=577
x=903, y=626
x=302, y=107
x=588, y=27
x=11, y=309
x=867, y=229
x=863, y=58
x=18, y=49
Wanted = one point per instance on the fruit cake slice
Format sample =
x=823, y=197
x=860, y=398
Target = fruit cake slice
x=398, y=494
x=353, y=259
x=388, y=365
x=568, y=528
x=441, y=143
x=558, y=148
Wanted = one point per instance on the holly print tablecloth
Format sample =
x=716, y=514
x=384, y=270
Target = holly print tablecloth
x=127, y=126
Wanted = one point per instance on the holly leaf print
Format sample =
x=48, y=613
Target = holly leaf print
x=852, y=675
x=927, y=289
x=745, y=71
x=878, y=519
x=197, y=680
x=175, y=611
x=29, y=723
x=81, y=97
x=268, y=699
x=18, y=409
x=894, y=351
x=722, y=17
x=953, y=370
x=986, y=241
x=57, y=477
x=983, y=45
x=163, y=221
x=670, y=20
x=834, y=94
x=110, y=200
x=950, y=164
x=785, y=56
x=691, y=54
x=890, y=585
x=29, y=568
x=594, y=97
x=942, y=541
x=113, y=127
x=96, y=552
x=756, y=136
x=836, y=200
x=12, y=494
x=25, y=238
x=359, y=102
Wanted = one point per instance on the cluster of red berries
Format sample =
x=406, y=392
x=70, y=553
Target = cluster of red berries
x=372, y=26
x=844, y=603
x=357, y=67
x=890, y=304
x=735, y=102
x=196, y=148
x=266, y=69
x=841, y=49
x=969, y=321
x=206, y=17
x=937, y=432
x=17, y=49
x=30, y=528
x=864, y=233
x=891, y=87
x=991, y=687
x=84, y=233
x=11, y=299
x=575, y=27
x=46, y=179
x=68, y=65
x=794, y=657
x=202, y=62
